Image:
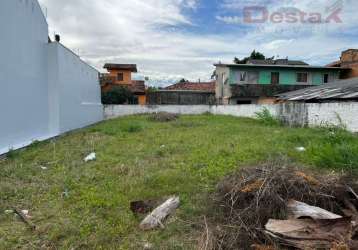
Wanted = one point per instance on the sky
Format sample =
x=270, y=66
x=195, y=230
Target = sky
x=174, y=39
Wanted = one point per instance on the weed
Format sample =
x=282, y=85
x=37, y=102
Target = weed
x=266, y=118
x=12, y=154
x=133, y=128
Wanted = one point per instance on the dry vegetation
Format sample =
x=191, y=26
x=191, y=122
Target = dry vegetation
x=246, y=200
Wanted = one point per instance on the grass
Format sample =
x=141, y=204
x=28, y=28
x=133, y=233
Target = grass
x=78, y=205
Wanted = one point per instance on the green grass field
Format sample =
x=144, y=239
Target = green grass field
x=78, y=205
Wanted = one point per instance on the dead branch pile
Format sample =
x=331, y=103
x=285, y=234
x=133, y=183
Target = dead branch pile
x=163, y=117
x=246, y=201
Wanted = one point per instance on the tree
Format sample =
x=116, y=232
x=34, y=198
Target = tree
x=117, y=95
x=183, y=80
x=152, y=89
x=255, y=55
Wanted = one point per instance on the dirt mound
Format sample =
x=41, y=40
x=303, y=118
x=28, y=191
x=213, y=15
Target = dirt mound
x=163, y=117
x=245, y=201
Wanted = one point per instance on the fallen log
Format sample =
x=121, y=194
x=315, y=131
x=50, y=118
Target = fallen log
x=297, y=210
x=310, y=234
x=156, y=218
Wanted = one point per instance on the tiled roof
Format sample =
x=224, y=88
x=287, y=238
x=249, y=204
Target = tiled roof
x=334, y=64
x=193, y=86
x=131, y=67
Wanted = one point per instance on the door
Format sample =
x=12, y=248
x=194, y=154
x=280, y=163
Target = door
x=275, y=78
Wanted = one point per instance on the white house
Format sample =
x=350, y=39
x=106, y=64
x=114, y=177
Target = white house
x=45, y=89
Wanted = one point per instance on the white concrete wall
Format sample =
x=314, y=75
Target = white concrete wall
x=76, y=85
x=114, y=111
x=298, y=114
x=242, y=110
x=44, y=88
x=23, y=82
x=334, y=114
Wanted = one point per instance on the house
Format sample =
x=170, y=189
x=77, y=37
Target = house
x=46, y=89
x=259, y=81
x=349, y=62
x=121, y=75
x=193, y=86
x=184, y=93
x=341, y=91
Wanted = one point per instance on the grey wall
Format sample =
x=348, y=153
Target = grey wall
x=44, y=88
x=222, y=87
x=294, y=114
x=23, y=80
x=76, y=89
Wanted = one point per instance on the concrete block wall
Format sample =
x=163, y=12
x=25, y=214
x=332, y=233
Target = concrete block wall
x=334, y=114
x=293, y=114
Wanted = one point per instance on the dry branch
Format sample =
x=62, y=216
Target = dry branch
x=298, y=210
x=156, y=218
x=24, y=219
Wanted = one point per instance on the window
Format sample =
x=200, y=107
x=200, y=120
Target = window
x=275, y=78
x=302, y=77
x=243, y=76
x=325, y=78
x=120, y=77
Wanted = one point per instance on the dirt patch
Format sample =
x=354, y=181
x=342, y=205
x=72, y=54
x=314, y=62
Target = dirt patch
x=163, y=117
x=245, y=201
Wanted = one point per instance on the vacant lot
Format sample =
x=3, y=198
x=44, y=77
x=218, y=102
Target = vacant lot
x=78, y=205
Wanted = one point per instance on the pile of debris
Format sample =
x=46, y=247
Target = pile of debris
x=283, y=207
x=163, y=117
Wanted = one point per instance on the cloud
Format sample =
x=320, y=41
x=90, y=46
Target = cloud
x=166, y=38
x=130, y=31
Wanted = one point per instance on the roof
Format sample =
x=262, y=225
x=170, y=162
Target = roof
x=277, y=66
x=276, y=62
x=131, y=67
x=138, y=87
x=193, y=86
x=334, y=64
x=344, y=89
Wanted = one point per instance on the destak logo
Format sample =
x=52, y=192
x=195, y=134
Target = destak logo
x=261, y=14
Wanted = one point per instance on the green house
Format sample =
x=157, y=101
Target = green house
x=259, y=81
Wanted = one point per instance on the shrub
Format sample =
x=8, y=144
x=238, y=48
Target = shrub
x=118, y=95
x=266, y=118
x=338, y=149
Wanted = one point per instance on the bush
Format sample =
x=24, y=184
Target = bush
x=338, y=149
x=118, y=95
x=266, y=118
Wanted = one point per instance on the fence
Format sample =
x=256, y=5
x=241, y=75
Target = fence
x=173, y=97
x=294, y=114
